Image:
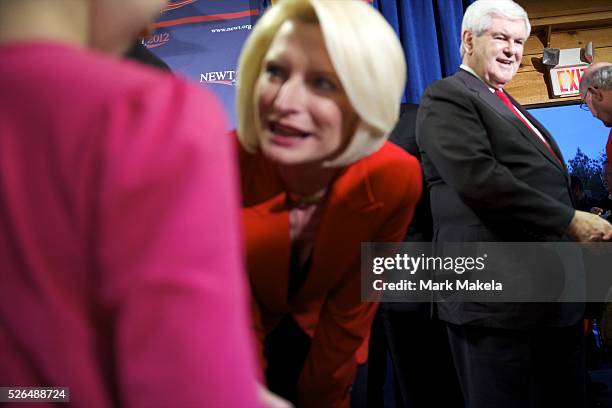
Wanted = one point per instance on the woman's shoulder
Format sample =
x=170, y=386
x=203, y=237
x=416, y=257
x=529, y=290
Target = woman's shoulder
x=259, y=178
x=392, y=173
x=391, y=157
x=247, y=160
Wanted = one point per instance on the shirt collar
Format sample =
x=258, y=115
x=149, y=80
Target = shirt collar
x=471, y=71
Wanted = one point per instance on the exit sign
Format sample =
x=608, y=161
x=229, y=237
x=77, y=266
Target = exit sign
x=566, y=80
x=565, y=76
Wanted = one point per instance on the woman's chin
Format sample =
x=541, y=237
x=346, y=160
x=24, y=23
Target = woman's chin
x=283, y=156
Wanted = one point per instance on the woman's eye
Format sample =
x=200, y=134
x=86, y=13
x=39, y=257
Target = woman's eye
x=324, y=84
x=274, y=71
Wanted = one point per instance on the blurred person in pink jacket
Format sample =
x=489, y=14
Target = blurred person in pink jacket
x=120, y=255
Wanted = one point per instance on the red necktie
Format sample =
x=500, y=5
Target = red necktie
x=506, y=101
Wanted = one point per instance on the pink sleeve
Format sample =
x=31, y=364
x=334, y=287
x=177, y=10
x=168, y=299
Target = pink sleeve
x=172, y=282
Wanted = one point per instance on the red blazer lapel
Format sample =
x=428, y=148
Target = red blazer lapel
x=266, y=229
x=350, y=206
x=268, y=250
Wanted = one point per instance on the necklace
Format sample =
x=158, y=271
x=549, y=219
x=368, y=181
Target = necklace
x=298, y=200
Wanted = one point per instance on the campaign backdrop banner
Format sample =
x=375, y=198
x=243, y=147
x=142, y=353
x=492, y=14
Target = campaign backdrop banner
x=202, y=40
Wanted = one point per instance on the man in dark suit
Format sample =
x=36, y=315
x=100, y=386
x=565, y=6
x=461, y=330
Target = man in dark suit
x=495, y=174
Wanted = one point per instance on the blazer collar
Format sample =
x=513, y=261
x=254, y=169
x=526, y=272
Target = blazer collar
x=351, y=190
x=482, y=90
x=349, y=205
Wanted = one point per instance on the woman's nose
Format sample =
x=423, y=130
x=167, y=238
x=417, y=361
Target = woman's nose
x=291, y=96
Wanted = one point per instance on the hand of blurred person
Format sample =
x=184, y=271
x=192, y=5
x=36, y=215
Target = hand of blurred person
x=271, y=400
x=596, y=210
x=587, y=227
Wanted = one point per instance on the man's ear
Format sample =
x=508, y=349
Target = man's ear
x=468, y=42
x=597, y=94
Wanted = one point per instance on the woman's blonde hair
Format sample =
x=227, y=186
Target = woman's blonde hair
x=365, y=53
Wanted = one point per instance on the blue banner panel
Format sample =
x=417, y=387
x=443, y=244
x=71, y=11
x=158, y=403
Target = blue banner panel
x=202, y=39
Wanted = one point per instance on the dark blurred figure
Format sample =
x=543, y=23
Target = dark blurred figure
x=405, y=333
x=581, y=200
x=139, y=52
x=604, y=207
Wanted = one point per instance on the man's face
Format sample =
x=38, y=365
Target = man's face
x=496, y=54
x=599, y=102
x=588, y=100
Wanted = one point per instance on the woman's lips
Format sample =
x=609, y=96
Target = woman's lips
x=286, y=135
x=287, y=130
x=285, y=141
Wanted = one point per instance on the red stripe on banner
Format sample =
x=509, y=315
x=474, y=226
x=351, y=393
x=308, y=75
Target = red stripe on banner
x=201, y=19
x=179, y=4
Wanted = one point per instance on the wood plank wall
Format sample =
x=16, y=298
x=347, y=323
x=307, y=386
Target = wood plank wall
x=564, y=24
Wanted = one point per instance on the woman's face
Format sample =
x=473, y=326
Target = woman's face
x=304, y=113
x=115, y=24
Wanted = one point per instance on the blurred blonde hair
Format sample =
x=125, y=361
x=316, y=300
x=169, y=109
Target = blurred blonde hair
x=365, y=53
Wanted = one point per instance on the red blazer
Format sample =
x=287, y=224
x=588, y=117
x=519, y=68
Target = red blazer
x=372, y=200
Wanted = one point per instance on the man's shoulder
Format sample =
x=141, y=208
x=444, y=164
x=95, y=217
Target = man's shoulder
x=459, y=84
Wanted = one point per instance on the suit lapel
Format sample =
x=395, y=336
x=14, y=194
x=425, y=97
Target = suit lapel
x=268, y=251
x=266, y=227
x=477, y=86
x=551, y=141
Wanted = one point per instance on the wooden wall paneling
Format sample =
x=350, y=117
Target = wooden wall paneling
x=546, y=8
x=601, y=37
x=529, y=86
x=565, y=24
x=591, y=18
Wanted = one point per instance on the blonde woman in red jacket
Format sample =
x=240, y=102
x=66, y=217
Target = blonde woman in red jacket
x=319, y=87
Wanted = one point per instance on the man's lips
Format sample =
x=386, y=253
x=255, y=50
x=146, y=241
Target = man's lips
x=505, y=61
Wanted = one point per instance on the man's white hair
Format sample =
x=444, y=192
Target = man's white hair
x=598, y=75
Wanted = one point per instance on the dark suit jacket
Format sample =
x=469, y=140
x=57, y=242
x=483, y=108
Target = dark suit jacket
x=491, y=179
x=404, y=135
x=371, y=201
